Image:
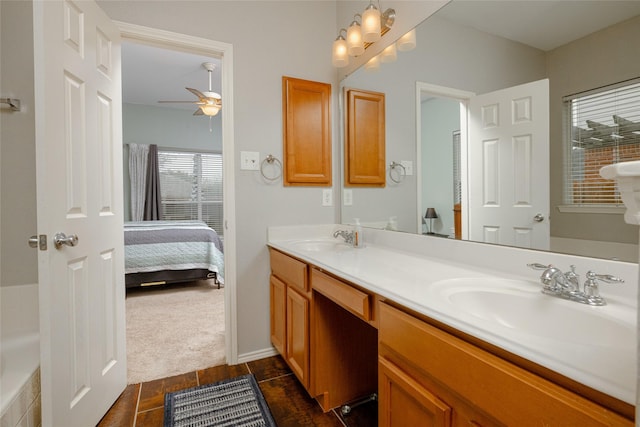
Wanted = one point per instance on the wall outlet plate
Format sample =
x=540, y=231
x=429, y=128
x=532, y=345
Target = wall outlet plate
x=347, y=197
x=327, y=197
x=249, y=160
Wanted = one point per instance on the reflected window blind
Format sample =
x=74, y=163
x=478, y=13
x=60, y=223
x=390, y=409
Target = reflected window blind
x=603, y=128
x=191, y=187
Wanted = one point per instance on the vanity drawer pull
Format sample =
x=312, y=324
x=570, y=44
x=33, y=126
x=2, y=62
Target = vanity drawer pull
x=289, y=270
x=346, y=296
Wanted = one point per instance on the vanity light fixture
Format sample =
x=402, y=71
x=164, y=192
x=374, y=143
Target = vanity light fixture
x=372, y=26
x=373, y=64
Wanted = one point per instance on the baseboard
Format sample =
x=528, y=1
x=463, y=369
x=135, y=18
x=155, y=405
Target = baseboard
x=255, y=355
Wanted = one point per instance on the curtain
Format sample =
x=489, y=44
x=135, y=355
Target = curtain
x=152, y=200
x=138, y=159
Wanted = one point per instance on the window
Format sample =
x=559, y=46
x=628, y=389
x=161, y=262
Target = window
x=191, y=187
x=603, y=128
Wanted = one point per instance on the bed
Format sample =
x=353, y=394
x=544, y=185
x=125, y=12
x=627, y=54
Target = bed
x=161, y=252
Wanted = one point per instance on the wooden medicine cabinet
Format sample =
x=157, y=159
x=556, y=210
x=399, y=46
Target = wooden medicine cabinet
x=364, y=139
x=306, y=116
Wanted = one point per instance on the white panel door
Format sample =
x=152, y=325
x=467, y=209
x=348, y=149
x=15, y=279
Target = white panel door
x=79, y=192
x=508, y=166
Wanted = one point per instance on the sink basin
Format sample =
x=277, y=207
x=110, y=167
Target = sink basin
x=321, y=245
x=519, y=305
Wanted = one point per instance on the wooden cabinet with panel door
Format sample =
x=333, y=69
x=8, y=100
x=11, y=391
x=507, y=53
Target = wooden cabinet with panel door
x=306, y=117
x=290, y=312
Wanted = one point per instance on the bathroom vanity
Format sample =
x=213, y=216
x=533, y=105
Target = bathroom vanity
x=449, y=342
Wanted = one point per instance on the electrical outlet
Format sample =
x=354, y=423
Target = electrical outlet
x=408, y=167
x=327, y=197
x=249, y=160
x=347, y=197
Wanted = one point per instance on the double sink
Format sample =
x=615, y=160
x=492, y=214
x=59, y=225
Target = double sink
x=593, y=345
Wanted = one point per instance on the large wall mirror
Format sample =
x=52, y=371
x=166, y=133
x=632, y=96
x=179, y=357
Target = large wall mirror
x=472, y=48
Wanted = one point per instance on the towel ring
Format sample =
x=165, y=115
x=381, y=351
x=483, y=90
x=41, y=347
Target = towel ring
x=270, y=160
x=403, y=172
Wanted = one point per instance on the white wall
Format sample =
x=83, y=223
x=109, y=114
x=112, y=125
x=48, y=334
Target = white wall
x=270, y=39
x=606, y=57
x=167, y=128
x=17, y=147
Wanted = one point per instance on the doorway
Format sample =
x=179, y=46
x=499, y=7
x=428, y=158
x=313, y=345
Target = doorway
x=219, y=128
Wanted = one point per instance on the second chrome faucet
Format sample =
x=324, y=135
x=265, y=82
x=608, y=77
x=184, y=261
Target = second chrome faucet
x=567, y=285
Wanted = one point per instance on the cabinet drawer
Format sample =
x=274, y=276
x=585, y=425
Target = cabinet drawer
x=346, y=296
x=289, y=270
x=511, y=394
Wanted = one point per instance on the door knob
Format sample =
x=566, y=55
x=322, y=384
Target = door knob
x=61, y=239
x=538, y=218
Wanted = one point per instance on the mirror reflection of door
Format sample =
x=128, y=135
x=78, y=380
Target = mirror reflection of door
x=492, y=189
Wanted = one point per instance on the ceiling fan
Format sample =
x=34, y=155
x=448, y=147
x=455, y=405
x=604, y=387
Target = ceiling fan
x=209, y=102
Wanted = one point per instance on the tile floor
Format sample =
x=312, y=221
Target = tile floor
x=142, y=405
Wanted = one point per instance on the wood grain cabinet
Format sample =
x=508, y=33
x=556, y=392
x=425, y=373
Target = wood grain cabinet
x=290, y=312
x=427, y=373
x=306, y=115
x=364, y=139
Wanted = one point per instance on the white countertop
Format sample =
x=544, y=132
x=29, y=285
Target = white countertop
x=412, y=271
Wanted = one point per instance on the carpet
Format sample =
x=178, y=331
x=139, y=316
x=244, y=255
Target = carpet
x=174, y=329
x=234, y=402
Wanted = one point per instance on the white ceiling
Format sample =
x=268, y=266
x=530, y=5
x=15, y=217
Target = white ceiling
x=150, y=74
x=543, y=24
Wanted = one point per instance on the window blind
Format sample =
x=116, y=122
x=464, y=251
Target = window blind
x=191, y=187
x=603, y=128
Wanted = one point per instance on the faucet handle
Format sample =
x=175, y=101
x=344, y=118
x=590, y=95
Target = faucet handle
x=607, y=278
x=538, y=266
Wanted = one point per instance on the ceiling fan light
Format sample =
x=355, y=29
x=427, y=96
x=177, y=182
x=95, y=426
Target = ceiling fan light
x=371, y=24
x=210, y=109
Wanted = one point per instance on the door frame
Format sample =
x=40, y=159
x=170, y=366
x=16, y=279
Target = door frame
x=464, y=98
x=224, y=51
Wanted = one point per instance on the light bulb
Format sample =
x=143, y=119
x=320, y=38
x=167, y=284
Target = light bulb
x=355, y=44
x=408, y=41
x=371, y=24
x=389, y=53
x=340, y=57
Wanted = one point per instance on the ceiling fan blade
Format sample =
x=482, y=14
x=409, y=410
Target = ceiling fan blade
x=196, y=92
x=198, y=112
x=179, y=102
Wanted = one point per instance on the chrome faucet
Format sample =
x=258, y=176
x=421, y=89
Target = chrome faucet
x=567, y=285
x=348, y=236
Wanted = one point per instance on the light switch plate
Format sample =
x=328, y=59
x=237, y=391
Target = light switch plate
x=249, y=160
x=327, y=197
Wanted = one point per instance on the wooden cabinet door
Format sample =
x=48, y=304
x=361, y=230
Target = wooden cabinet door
x=298, y=335
x=365, y=139
x=404, y=402
x=278, y=314
x=306, y=117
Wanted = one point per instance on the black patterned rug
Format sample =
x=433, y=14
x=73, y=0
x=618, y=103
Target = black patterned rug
x=234, y=402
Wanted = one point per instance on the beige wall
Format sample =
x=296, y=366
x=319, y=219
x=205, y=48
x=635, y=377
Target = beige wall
x=609, y=56
x=270, y=39
x=17, y=147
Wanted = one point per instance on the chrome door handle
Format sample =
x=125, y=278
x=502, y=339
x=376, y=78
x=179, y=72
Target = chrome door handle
x=61, y=239
x=538, y=218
